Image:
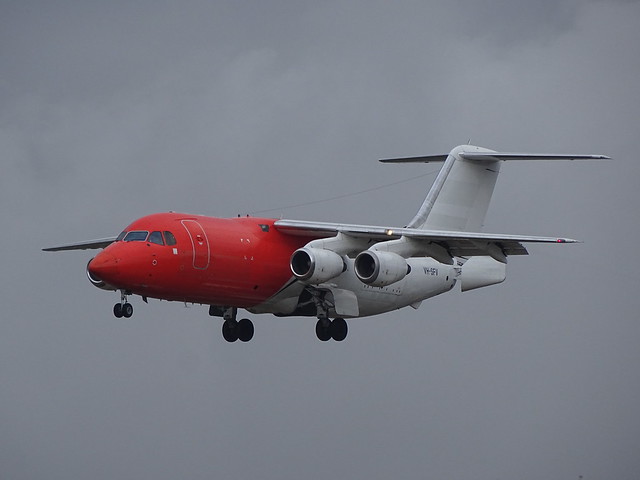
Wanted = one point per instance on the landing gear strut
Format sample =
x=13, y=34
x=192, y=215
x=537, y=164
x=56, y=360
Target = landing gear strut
x=124, y=308
x=325, y=327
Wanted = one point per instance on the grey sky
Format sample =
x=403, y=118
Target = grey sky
x=112, y=110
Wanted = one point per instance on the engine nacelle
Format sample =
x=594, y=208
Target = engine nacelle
x=98, y=282
x=316, y=265
x=380, y=269
x=478, y=272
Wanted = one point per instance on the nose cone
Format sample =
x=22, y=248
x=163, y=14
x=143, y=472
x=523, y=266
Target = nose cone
x=104, y=267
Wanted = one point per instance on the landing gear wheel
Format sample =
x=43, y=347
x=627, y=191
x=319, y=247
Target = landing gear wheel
x=230, y=330
x=117, y=310
x=323, y=330
x=338, y=329
x=127, y=310
x=245, y=330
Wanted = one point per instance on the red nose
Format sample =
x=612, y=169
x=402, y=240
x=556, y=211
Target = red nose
x=104, y=267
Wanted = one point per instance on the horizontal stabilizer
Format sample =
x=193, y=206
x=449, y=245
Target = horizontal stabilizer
x=459, y=196
x=495, y=156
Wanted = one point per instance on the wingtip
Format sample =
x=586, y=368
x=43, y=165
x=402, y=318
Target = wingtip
x=568, y=240
x=593, y=157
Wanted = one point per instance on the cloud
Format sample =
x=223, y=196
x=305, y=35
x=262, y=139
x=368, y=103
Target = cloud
x=115, y=110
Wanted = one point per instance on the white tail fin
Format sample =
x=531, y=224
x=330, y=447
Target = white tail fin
x=459, y=197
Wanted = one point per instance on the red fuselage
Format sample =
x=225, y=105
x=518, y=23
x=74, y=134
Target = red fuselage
x=238, y=262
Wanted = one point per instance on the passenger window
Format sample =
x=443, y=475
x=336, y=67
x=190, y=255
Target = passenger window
x=171, y=240
x=155, y=237
x=136, y=236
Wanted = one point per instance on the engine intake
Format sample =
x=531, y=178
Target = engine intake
x=315, y=265
x=380, y=269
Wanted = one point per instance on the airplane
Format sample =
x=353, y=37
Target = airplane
x=331, y=271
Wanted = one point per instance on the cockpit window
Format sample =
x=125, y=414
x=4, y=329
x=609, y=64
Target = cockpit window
x=155, y=237
x=136, y=236
x=171, y=240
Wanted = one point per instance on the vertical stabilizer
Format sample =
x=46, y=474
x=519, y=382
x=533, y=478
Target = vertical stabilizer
x=459, y=197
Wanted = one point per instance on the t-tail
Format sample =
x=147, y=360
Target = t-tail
x=460, y=195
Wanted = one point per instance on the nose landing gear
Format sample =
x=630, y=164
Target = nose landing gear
x=124, y=308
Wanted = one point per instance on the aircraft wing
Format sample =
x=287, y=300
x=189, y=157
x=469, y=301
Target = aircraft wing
x=91, y=244
x=457, y=244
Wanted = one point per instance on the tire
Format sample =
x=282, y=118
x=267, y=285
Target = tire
x=117, y=310
x=245, y=330
x=339, y=329
x=127, y=310
x=323, y=332
x=230, y=331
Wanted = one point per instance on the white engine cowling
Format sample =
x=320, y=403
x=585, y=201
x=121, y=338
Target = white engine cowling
x=315, y=265
x=380, y=268
x=478, y=272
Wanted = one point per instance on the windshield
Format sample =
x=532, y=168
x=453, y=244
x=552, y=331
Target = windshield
x=143, y=235
x=136, y=236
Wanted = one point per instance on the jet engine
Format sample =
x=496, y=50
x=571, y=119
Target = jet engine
x=380, y=269
x=316, y=265
x=478, y=272
x=97, y=281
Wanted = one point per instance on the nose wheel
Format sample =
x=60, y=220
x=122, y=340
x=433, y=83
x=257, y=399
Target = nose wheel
x=124, y=308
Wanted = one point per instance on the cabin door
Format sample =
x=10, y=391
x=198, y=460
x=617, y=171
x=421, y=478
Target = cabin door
x=200, y=244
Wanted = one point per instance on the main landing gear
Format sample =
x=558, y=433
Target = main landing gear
x=233, y=329
x=327, y=329
x=124, y=308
